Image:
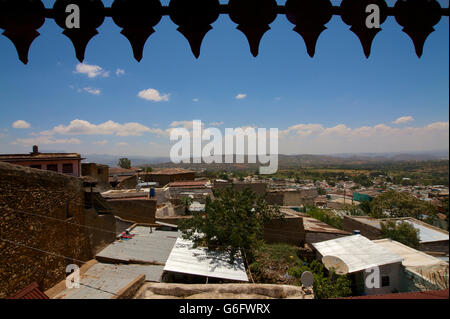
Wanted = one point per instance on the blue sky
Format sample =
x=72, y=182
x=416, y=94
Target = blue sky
x=336, y=102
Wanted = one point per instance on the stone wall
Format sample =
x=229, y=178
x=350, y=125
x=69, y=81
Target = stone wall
x=275, y=198
x=317, y=237
x=23, y=237
x=258, y=188
x=288, y=230
x=300, y=197
x=352, y=223
x=292, y=198
x=136, y=210
x=97, y=171
x=435, y=247
x=161, y=179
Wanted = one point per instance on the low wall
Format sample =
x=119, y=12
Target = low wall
x=289, y=230
x=139, y=211
x=436, y=246
x=351, y=223
x=317, y=237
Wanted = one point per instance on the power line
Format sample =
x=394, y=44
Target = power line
x=42, y=251
x=66, y=222
x=57, y=255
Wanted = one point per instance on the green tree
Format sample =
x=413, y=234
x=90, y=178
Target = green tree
x=124, y=163
x=186, y=202
x=402, y=232
x=365, y=207
x=232, y=221
x=400, y=205
x=327, y=284
x=326, y=217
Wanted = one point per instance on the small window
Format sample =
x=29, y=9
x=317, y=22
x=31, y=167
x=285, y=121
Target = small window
x=67, y=168
x=52, y=167
x=36, y=166
x=99, y=171
x=385, y=282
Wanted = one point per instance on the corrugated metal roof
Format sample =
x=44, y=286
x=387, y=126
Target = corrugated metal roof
x=170, y=171
x=101, y=281
x=437, y=294
x=416, y=261
x=199, y=261
x=427, y=234
x=357, y=252
x=30, y=292
x=148, y=247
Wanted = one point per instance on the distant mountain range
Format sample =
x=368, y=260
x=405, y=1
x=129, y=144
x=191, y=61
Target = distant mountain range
x=284, y=160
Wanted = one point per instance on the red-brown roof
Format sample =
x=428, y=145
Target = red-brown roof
x=123, y=171
x=170, y=171
x=30, y=292
x=435, y=294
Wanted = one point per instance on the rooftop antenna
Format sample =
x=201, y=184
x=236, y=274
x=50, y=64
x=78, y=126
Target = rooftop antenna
x=335, y=263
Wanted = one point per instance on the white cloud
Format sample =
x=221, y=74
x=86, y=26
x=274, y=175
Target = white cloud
x=216, y=124
x=120, y=72
x=153, y=95
x=241, y=96
x=92, y=71
x=403, y=119
x=21, y=124
x=91, y=91
x=44, y=140
x=100, y=143
x=338, y=130
x=185, y=124
x=196, y=100
x=122, y=144
x=81, y=127
x=303, y=129
x=317, y=139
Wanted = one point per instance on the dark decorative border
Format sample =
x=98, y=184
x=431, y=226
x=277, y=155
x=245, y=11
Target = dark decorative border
x=22, y=18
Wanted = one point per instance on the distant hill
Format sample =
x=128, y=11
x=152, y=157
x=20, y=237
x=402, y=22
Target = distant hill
x=284, y=161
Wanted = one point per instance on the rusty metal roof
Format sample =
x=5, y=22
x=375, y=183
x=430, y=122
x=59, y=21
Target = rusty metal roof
x=170, y=171
x=435, y=294
x=30, y=292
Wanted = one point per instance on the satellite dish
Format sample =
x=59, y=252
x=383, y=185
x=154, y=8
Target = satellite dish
x=307, y=279
x=335, y=263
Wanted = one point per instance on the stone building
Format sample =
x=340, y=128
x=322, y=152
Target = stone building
x=169, y=175
x=98, y=172
x=301, y=197
x=45, y=227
